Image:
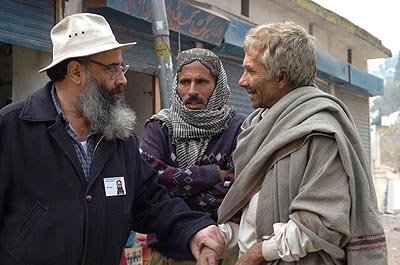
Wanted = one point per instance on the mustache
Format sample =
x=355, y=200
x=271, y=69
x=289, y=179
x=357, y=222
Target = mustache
x=117, y=90
x=192, y=99
x=250, y=89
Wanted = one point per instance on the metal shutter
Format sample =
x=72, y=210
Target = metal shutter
x=358, y=105
x=27, y=23
x=239, y=98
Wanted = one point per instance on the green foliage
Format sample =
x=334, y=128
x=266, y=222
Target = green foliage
x=390, y=148
x=385, y=105
x=397, y=74
x=390, y=101
x=389, y=63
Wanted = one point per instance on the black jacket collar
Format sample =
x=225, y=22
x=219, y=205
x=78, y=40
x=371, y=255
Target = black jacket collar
x=39, y=106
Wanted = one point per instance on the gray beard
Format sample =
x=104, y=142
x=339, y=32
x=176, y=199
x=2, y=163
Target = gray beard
x=106, y=114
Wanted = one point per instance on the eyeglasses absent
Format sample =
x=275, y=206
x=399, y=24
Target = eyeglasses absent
x=116, y=71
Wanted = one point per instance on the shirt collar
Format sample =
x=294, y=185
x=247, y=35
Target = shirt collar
x=59, y=109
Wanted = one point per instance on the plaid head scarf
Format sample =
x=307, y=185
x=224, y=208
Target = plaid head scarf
x=191, y=130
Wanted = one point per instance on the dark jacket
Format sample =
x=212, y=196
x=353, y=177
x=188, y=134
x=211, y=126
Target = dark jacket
x=49, y=214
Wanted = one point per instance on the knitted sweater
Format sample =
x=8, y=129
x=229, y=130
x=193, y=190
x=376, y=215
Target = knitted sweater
x=200, y=185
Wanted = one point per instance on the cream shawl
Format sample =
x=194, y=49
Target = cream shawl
x=301, y=112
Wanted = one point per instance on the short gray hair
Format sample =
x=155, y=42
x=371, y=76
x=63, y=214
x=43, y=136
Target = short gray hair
x=284, y=45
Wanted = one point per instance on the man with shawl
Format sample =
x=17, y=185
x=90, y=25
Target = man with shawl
x=304, y=184
x=191, y=143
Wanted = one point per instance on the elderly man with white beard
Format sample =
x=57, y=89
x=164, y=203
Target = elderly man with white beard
x=64, y=149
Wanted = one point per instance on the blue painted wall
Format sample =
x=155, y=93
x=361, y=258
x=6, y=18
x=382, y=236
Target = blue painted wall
x=27, y=23
x=184, y=18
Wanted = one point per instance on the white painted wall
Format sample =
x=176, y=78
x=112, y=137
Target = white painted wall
x=381, y=189
x=265, y=11
x=393, y=199
x=26, y=65
x=72, y=7
x=139, y=96
x=230, y=6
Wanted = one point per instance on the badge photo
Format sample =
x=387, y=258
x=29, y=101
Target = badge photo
x=114, y=186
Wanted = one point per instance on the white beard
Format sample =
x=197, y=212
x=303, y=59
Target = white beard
x=105, y=113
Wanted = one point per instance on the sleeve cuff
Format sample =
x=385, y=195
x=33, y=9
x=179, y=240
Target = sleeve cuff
x=231, y=231
x=269, y=248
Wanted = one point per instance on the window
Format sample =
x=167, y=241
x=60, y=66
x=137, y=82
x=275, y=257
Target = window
x=245, y=8
x=349, y=56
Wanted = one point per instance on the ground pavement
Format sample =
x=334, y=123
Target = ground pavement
x=391, y=224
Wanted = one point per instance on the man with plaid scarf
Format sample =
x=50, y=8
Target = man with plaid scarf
x=191, y=143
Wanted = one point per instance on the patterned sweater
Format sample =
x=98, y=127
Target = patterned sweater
x=200, y=185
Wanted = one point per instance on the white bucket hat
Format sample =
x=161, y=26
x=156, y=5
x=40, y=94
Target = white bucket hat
x=80, y=35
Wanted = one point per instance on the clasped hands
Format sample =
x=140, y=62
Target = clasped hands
x=208, y=244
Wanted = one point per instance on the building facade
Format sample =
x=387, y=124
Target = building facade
x=342, y=48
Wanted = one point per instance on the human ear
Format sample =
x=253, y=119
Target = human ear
x=75, y=72
x=283, y=77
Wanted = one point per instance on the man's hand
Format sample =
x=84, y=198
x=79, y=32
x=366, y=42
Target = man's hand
x=223, y=174
x=207, y=257
x=210, y=237
x=252, y=257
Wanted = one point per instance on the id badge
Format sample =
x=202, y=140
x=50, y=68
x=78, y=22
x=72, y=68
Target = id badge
x=115, y=186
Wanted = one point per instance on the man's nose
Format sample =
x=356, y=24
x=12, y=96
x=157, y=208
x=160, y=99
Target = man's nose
x=243, y=81
x=121, y=79
x=192, y=89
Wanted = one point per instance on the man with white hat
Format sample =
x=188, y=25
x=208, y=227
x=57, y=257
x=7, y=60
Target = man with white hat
x=62, y=151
